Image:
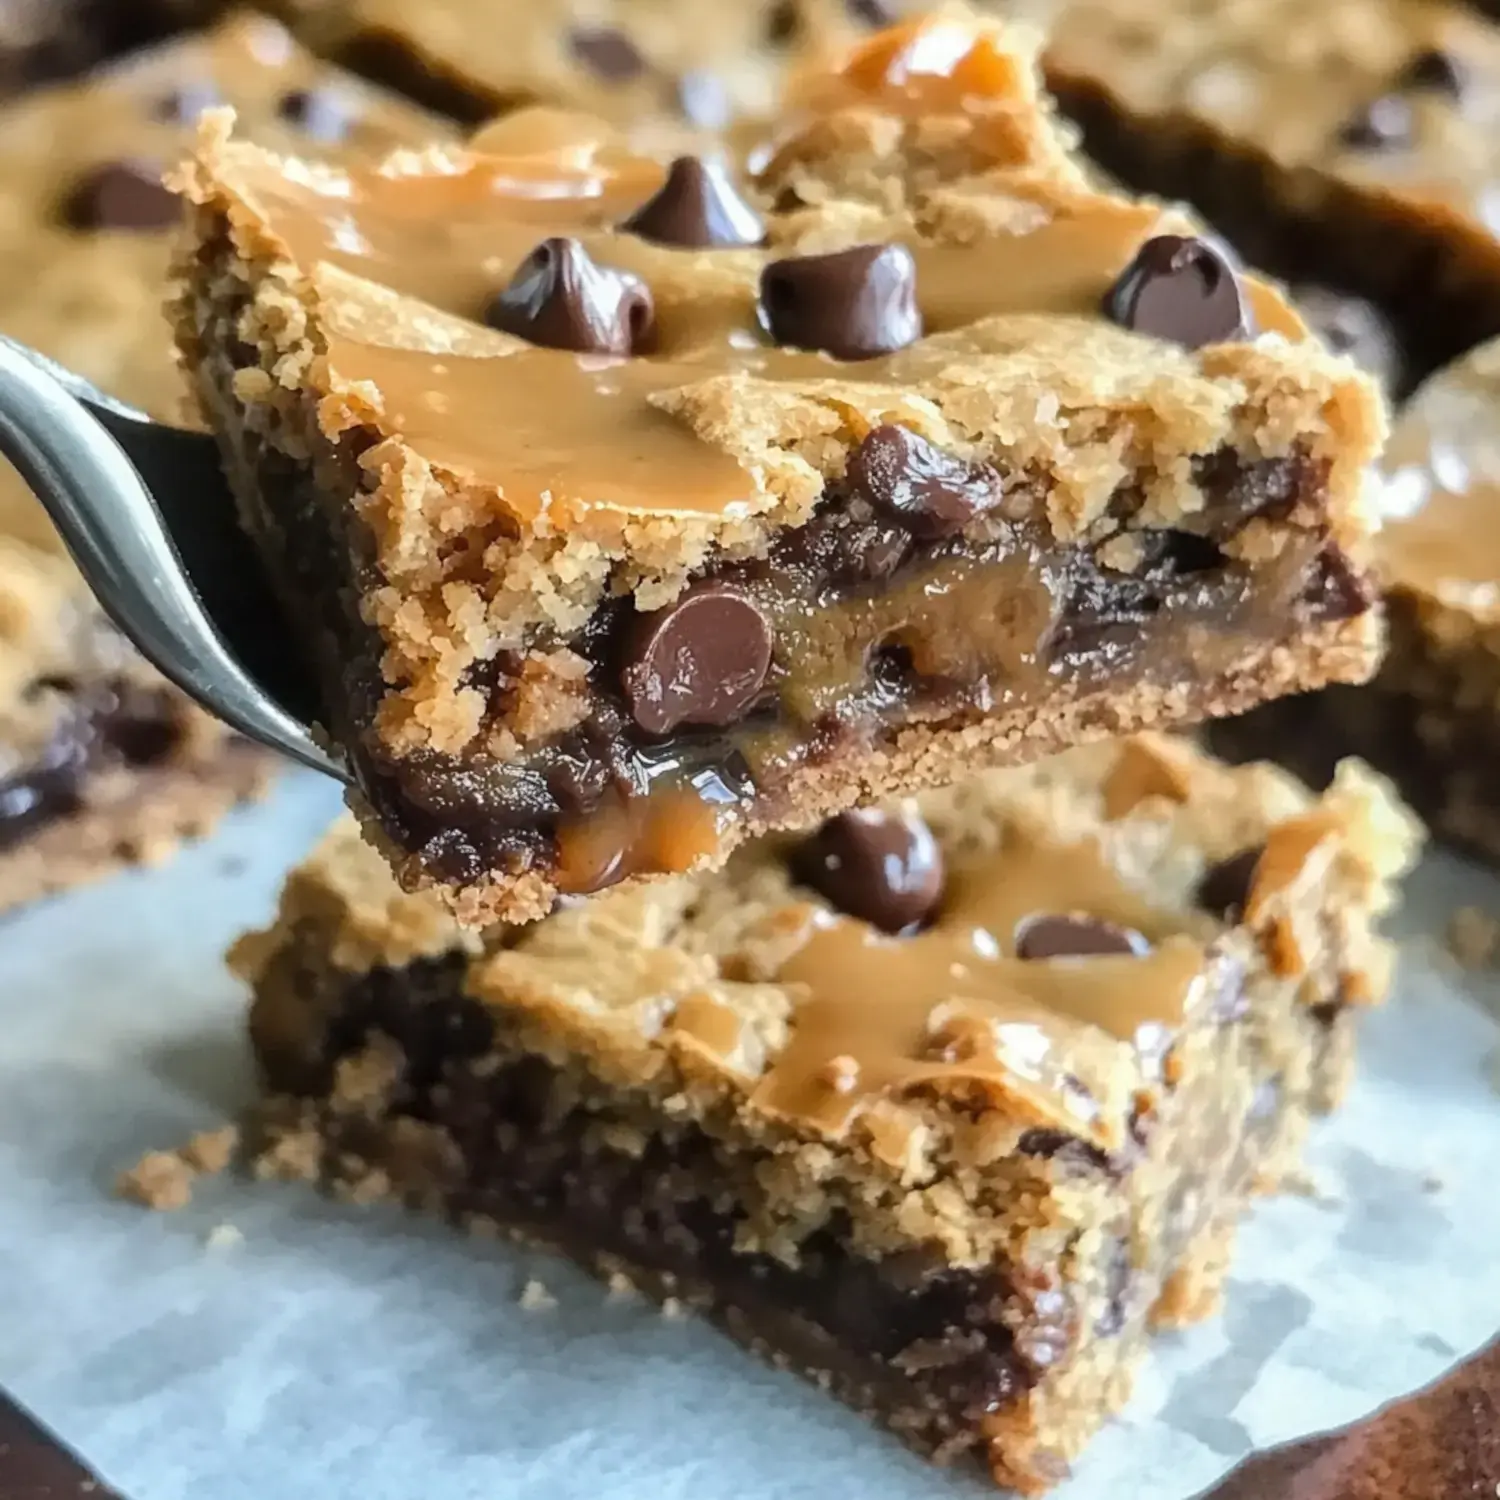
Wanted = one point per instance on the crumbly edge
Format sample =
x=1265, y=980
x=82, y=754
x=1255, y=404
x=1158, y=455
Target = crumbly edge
x=1090, y=436
x=923, y=756
x=134, y=817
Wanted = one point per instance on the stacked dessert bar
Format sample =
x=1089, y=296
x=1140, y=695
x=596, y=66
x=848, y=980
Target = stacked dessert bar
x=710, y=561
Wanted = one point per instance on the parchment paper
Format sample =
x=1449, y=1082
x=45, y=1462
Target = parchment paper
x=338, y=1352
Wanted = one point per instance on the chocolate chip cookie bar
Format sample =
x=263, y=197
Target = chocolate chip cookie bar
x=1348, y=142
x=628, y=60
x=41, y=40
x=1430, y=716
x=102, y=763
x=945, y=1106
x=633, y=510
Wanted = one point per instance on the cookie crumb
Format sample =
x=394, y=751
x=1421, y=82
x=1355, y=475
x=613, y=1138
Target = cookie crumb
x=224, y=1237
x=673, y=1308
x=211, y=1151
x=536, y=1298
x=160, y=1180
x=620, y=1285
x=1473, y=937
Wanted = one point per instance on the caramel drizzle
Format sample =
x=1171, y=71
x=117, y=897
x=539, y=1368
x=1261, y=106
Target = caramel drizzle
x=581, y=433
x=878, y=1016
x=1443, y=489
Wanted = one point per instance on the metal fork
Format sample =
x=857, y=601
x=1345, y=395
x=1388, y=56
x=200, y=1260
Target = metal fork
x=147, y=515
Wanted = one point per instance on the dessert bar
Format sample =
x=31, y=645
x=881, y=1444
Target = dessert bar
x=945, y=1106
x=1431, y=716
x=623, y=59
x=101, y=762
x=632, y=510
x=42, y=40
x=1346, y=142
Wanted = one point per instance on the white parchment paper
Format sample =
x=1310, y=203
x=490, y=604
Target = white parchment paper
x=337, y=1352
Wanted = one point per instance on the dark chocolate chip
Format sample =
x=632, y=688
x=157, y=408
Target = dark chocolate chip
x=1382, y=123
x=319, y=113
x=1225, y=887
x=697, y=205
x=701, y=660
x=933, y=494
x=702, y=100
x=853, y=304
x=186, y=103
x=1437, y=70
x=884, y=868
x=560, y=298
x=1351, y=325
x=610, y=53
x=1336, y=589
x=783, y=22
x=1075, y=935
x=1181, y=289
x=124, y=194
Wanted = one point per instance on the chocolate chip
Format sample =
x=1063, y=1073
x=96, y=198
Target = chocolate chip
x=702, y=100
x=1075, y=935
x=186, y=103
x=1437, y=70
x=560, y=298
x=1382, y=123
x=853, y=304
x=1225, y=887
x=1181, y=289
x=1336, y=589
x=701, y=660
x=783, y=22
x=931, y=493
x=121, y=194
x=871, y=12
x=1351, y=325
x=319, y=113
x=882, y=867
x=697, y=205
x=610, y=53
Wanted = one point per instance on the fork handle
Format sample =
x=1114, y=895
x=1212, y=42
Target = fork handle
x=115, y=532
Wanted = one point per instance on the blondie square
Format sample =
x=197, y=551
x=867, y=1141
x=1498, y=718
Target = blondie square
x=1431, y=716
x=1350, y=142
x=632, y=511
x=101, y=762
x=945, y=1106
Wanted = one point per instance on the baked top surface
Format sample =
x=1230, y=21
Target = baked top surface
x=1400, y=95
x=820, y=1020
x=716, y=429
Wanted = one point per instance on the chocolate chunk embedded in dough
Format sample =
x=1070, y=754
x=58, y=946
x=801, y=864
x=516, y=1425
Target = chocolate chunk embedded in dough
x=853, y=304
x=878, y=866
x=697, y=205
x=701, y=660
x=1181, y=289
x=931, y=493
x=561, y=298
x=1075, y=935
x=125, y=194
